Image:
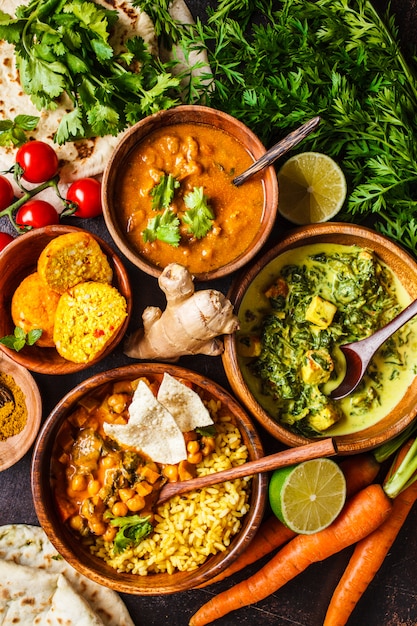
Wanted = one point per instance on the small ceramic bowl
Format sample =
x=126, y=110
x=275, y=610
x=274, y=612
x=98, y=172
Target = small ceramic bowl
x=202, y=117
x=15, y=447
x=17, y=261
x=402, y=265
x=71, y=547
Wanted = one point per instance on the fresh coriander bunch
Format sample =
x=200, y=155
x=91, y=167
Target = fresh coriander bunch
x=63, y=47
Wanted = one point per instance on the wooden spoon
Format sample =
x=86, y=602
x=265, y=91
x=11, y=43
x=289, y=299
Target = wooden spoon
x=315, y=450
x=278, y=150
x=359, y=353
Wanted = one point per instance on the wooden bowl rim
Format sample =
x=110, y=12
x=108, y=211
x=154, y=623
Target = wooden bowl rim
x=25, y=357
x=153, y=121
x=14, y=448
x=361, y=441
x=93, y=567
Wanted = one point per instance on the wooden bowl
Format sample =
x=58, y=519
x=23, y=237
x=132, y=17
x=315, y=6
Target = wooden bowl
x=405, y=269
x=14, y=448
x=17, y=261
x=71, y=547
x=202, y=116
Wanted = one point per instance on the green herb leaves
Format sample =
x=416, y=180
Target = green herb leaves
x=20, y=339
x=63, y=48
x=166, y=226
x=132, y=529
x=13, y=132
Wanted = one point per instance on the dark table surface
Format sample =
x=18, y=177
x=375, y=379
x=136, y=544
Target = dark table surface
x=391, y=599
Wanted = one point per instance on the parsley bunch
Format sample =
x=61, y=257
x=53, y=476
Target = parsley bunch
x=63, y=48
x=275, y=65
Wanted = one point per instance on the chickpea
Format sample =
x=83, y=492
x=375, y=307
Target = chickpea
x=118, y=402
x=98, y=527
x=79, y=482
x=126, y=493
x=110, y=461
x=209, y=445
x=136, y=503
x=76, y=522
x=193, y=446
x=93, y=487
x=195, y=458
x=119, y=509
x=110, y=533
x=171, y=473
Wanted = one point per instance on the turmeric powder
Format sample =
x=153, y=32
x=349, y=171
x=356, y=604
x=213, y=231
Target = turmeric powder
x=13, y=415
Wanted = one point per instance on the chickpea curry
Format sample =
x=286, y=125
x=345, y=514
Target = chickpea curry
x=107, y=490
x=177, y=201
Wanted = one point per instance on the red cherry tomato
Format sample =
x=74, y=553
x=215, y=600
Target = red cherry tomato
x=5, y=239
x=6, y=193
x=37, y=213
x=38, y=160
x=86, y=194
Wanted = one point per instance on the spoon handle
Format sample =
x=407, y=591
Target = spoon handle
x=315, y=450
x=375, y=341
x=278, y=150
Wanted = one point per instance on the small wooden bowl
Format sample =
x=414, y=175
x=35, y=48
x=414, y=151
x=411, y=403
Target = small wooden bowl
x=186, y=114
x=14, y=448
x=400, y=263
x=18, y=260
x=72, y=549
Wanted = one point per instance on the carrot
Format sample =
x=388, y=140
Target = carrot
x=361, y=515
x=359, y=470
x=369, y=555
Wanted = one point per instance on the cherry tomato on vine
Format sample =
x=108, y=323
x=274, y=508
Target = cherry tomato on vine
x=37, y=213
x=5, y=239
x=86, y=194
x=6, y=193
x=38, y=161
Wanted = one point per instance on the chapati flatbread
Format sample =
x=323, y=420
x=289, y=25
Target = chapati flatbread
x=151, y=429
x=33, y=596
x=29, y=546
x=184, y=404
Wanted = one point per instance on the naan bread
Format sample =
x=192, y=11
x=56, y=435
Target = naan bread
x=34, y=596
x=28, y=546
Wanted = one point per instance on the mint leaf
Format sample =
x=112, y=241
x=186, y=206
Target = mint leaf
x=19, y=339
x=132, y=529
x=199, y=216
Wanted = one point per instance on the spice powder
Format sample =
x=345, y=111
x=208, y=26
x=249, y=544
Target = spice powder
x=13, y=416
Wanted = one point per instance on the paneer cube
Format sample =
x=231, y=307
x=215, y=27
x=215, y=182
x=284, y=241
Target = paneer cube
x=249, y=346
x=323, y=419
x=317, y=367
x=320, y=312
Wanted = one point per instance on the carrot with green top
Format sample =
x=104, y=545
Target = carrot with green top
x=359, y=471
x=370, y=552
x=361, y=515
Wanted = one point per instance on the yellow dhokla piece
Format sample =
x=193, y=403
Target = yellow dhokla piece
x=71, y=259
x=87, y=318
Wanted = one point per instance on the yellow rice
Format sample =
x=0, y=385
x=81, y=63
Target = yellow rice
x=191, y=527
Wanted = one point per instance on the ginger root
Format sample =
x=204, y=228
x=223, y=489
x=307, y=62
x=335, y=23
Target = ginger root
x=190, y=324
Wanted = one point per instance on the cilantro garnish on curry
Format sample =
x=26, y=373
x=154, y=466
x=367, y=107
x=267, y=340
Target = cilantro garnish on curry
x=294, y=316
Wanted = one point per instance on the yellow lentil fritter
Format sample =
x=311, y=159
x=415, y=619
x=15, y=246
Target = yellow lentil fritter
x=71, y=259
x=33, y=307
x=87, y=317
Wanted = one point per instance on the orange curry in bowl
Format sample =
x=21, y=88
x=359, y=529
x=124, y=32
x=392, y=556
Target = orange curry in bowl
x=177, y=201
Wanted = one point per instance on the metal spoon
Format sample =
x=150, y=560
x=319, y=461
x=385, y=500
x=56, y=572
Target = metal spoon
x=359, y=353
x=278, y=150
x=315, y=450
x=5, y=395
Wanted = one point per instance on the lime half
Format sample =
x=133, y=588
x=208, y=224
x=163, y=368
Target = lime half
x=312, y=188
x=308, y=497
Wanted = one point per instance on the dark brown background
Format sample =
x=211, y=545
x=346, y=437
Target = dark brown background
x=391, y=599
